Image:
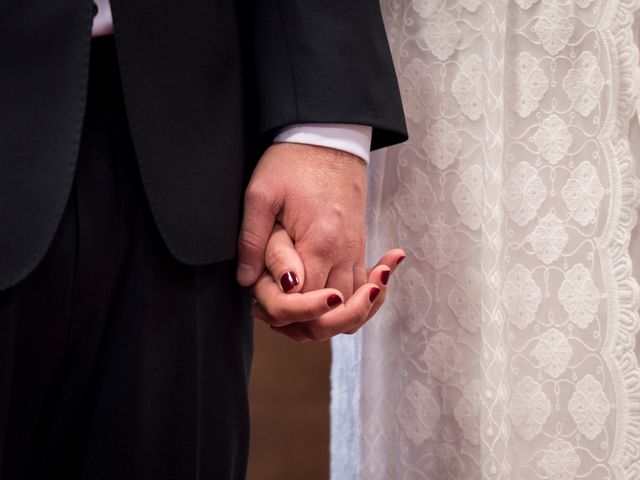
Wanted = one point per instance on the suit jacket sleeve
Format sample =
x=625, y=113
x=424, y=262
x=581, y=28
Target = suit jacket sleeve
x=323, y=61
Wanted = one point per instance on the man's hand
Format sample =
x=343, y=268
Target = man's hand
x=318, y=195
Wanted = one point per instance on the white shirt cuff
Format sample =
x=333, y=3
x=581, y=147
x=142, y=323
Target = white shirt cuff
x=103, y=21
x=351, y=138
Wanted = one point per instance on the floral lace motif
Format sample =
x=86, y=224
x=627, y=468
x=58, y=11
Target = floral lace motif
x=528, y=84
x=524, y=192
x=579, y=296
x=553, y=139
x=505, y=349
x=560, y=460
x=530, y=408
x=584, y=83
x=418, y=413
x=589, y=407
x=553, y=352
x=521, y=296
x=583, y=193
x=549, y=238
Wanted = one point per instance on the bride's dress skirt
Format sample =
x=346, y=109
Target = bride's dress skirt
x=506, y=349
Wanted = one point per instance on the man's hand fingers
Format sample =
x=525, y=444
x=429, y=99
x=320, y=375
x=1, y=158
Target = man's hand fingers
x=316, y=271
x=283, y=261
x=341, y=278
x=260, y=211
x=359, y=275
x=282, y=309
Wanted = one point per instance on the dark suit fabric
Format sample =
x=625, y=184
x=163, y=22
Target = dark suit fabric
x=116, y=360
x=206, y=85
x=124, y=351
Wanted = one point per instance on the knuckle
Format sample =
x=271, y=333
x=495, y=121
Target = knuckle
x=257, y=193
x=328, y=230
x=249, y=242
x=263, y=197
x=326, y=241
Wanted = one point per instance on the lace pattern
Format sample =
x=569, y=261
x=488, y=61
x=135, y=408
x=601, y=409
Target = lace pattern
x=506, y=350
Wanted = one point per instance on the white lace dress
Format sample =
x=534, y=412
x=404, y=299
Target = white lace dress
x=506, y=348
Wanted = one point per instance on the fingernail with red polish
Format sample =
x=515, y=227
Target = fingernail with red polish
x=384, y=276
x=373, y=294
x=400, y=260
x=289, y=280
x=334, y=300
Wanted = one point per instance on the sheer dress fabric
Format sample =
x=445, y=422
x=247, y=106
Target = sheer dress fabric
x=506, y=348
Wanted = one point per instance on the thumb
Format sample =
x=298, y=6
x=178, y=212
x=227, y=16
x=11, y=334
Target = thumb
x=257, y=224
x=283, y=262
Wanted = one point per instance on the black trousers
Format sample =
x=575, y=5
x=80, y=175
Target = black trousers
x=117, y=361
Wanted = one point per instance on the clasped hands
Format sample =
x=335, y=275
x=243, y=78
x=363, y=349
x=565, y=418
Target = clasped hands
x=301, y=246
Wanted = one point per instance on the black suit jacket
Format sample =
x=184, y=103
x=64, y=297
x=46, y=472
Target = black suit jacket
x=206, y=84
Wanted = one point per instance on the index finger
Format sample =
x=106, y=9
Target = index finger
x=350, y=316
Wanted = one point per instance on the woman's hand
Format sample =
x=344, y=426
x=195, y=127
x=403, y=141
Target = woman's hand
x=320, y=314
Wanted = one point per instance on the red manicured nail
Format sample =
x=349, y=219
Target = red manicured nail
x=373, y=294
x=384, y=276
x=334, y=300
x=400, y=260
x=289, y=280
